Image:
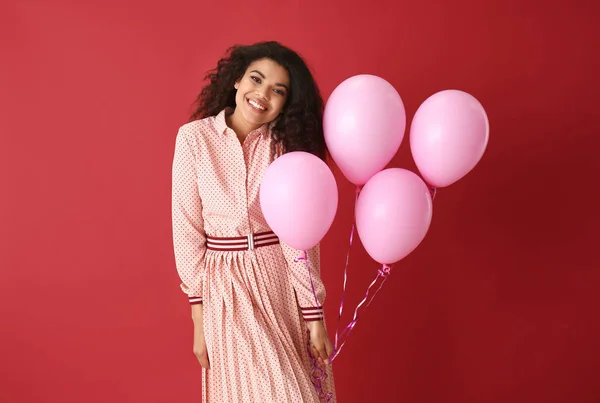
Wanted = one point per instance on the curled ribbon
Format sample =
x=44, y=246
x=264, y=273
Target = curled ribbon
x=382, y=273
x=318, y=375
x=358, y=188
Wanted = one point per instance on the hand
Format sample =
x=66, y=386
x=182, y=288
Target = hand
x=199, y=341
x=320, y=344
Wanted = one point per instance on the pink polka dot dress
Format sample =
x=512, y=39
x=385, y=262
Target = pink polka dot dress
x=255, y=298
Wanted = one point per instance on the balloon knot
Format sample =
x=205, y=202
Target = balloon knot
x=432, y=192
x=301, y=258
x=385, y=271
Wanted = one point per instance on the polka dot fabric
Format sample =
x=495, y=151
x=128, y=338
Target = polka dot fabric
x=255, y=302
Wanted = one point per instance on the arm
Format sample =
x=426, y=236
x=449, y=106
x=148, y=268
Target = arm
x=312, y=309
x=199, y=341
x=309, y=301
x=189, y=239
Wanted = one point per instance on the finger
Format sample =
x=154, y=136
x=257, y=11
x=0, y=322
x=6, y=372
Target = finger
x=316, y=356
x=314, y=351
x=322, y=353
x=203, y=359
x=204, y=362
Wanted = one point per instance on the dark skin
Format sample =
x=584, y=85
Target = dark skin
x=261, y=96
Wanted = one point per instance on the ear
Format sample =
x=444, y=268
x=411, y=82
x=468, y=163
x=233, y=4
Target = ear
x=236, y=85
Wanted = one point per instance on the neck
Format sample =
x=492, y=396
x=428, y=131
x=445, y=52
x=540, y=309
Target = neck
x=238, y=124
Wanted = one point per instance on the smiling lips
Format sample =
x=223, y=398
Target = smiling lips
x=256, y=105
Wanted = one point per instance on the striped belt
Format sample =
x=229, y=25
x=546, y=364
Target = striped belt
x=250, y=242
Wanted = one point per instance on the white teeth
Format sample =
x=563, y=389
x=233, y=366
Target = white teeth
x=256, y=105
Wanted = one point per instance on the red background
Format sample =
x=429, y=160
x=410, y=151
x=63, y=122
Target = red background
x=498, y=304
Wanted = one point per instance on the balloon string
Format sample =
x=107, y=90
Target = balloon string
x=304, y=258
x=383, y=273
x=376, y=292
x=358, y=188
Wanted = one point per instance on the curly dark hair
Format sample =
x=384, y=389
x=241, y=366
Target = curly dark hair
x=300, y=126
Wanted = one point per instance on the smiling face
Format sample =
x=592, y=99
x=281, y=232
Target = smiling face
x=261, y=94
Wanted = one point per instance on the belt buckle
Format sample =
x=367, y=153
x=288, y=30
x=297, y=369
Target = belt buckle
x=250, y=241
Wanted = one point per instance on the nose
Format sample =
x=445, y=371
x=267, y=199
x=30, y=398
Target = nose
x=263, y=92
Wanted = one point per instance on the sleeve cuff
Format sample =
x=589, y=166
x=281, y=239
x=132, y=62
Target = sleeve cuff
x=312, y=313
x=195, y=300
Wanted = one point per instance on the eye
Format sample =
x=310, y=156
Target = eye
x=255, y=79
x=280, y=92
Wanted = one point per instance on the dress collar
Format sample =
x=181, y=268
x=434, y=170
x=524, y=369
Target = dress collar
x=221, y=124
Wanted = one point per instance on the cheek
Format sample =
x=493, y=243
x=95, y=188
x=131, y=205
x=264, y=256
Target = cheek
x=239, y=97
x=280, y=103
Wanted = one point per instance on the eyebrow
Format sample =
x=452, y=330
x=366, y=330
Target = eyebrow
x=263, y=76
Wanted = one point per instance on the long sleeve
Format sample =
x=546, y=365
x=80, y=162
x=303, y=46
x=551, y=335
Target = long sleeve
x=189, y=239
x=311, y=309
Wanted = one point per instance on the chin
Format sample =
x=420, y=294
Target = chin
x=253, y=120
x=256, y=120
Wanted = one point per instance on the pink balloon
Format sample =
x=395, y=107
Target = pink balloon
x=393, y=214
x=299, y=198
x=448, y=136
x=364, y=124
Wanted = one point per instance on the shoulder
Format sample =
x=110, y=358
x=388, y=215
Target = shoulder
x=198, y=128
x=199, y=134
